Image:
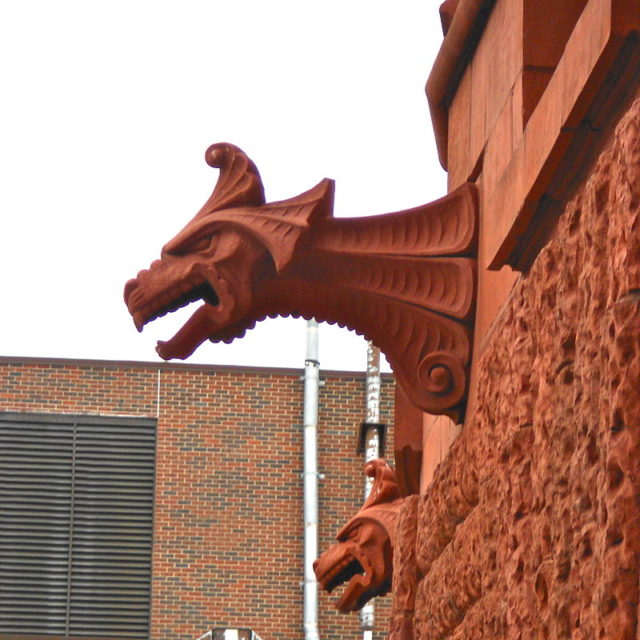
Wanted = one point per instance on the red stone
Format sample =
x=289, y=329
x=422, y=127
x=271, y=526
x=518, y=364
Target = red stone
x=404, y=280
x=363, y=555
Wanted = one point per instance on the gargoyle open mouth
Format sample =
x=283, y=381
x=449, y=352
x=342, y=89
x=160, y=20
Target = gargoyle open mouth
x=342, y=573
x=339, y=566
x=362, y=557
x=155, y=293
x=176, y=298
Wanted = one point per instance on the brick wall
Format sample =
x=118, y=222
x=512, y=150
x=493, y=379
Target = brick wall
x=228, y=512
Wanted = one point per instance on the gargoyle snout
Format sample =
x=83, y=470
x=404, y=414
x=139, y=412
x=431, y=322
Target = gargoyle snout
x=128, y=289
x=132, y=285
x=167, y=249
x=141, y=275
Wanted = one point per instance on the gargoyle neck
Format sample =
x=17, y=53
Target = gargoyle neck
x=405, y=280
x=387, y=299
x=405, y=285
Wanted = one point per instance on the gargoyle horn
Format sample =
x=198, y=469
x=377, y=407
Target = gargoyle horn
x=239, y=183
x=383, y=496
x=238, y=199
x=385, y=486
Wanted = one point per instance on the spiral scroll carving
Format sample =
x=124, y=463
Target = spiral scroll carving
x=443, y=376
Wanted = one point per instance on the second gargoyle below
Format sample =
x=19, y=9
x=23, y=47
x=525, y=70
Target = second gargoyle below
x=362, y=557
x=404, y=280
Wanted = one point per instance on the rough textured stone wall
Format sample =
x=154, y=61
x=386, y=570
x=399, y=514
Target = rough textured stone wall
x=531, y=526
x=228, y=527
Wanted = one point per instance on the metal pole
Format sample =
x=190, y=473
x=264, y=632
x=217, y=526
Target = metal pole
x=371, y=451
x=311, y=393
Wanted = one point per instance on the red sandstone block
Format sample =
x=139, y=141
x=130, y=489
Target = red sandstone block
x=501, y=64
x=568, y=94
x=545, y=140
x=459, y=138
x=584, y=47
x=478, y=110
x=499, y=148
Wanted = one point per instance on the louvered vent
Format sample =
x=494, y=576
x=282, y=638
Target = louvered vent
x=76, y=520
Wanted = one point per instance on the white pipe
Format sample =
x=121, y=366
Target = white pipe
x=371, y=451
x=310, y=475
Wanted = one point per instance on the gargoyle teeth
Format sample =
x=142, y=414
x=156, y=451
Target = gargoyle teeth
x=178, y=296
x=342, y=572
x=138, y=321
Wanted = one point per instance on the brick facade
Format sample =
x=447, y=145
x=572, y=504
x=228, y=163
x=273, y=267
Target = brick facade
x=228, y=527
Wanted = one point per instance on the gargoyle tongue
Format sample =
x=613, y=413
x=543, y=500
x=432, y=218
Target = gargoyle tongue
x=355, y=594
x=343, y=564
x=200, y=327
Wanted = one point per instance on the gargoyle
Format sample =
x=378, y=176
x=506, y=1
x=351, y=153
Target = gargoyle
x=363, y=555
x=404, y=280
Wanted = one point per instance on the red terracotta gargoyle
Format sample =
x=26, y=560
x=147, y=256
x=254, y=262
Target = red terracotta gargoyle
x=363, y=555
x=404, y=280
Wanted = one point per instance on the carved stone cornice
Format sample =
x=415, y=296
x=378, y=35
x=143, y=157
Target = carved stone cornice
x=405, y=280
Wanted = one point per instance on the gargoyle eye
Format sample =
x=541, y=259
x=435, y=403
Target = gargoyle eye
x=185, y=243
x=201, y=244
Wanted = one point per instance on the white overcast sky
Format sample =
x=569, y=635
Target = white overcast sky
x=107, y=109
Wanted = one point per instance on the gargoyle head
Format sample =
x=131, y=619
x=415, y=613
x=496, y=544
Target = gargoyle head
x=363, y=556
x=233, y=242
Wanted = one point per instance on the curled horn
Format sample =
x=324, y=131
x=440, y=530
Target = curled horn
x=385, y=486
x=239, y=182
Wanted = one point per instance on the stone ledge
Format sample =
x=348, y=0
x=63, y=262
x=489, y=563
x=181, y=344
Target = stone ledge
x=457, y=48
x=563, y=131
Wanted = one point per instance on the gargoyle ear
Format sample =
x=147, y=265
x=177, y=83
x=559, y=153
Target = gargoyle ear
x=281, y=227
x=239, y=198
x=385, y=486
x=239, y=183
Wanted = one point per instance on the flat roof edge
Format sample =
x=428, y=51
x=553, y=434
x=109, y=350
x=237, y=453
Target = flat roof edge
x=142, y=364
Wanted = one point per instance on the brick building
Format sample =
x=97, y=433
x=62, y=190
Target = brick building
x=158, y=500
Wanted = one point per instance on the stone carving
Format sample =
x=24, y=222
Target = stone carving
x=404, y=280
x=363, y=555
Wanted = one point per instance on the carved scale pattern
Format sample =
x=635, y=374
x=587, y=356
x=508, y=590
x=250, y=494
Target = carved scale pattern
x=445, y=285
x=445, y=227
x=404, y=280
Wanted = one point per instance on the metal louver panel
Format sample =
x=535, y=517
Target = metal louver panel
x=76, y=522
x=36, y=461
x=110, y=586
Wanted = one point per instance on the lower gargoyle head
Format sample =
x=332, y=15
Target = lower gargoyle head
x=362, y=559
x=363, y=556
